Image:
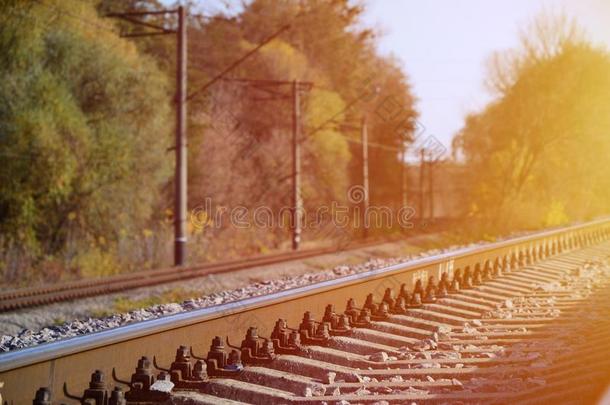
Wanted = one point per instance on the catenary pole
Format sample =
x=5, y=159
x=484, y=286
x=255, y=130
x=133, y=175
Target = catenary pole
x=181, y=145
x=296, y=168
x=365, y=175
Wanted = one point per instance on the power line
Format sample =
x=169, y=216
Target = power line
x=332, y=118
x=219, y=76
x=248, y=54
x=237, y=62
x=309, y=85
x=127, y=17
x=374, y=144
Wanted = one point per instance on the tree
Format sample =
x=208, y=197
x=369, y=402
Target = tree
x=87, y=127
x=327, y=46
x=533, y=155
x=84, y=132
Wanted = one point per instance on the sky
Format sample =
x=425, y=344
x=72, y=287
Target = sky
x=443, y=47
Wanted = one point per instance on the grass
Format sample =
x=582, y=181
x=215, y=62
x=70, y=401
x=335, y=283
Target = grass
x=125, y=304
x=59, y=321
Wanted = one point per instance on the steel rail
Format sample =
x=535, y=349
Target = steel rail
x=50, y=361
x=32, y=355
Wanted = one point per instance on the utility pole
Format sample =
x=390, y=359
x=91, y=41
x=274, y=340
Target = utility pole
x=403, y=178
x=181, y=175
x=180, y=147
x=365, y=175
x=295, y=88
x=422, y=164
x=430, y=187
x=182, y=97
x=296, y=168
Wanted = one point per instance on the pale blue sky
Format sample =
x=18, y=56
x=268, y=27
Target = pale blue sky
x=443, y=45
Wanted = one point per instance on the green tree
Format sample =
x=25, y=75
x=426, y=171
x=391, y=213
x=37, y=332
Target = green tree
x=84, y=130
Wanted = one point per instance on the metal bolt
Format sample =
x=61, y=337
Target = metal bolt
x=43, y=396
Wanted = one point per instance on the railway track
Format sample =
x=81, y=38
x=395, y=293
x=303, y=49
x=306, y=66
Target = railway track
x=43, y=295
x=520, y=321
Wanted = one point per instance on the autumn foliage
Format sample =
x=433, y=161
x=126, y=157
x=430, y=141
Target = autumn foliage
x=86, y=132
x=537, y=155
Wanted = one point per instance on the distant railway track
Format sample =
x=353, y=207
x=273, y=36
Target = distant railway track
x=60, y=292
x=519, y=321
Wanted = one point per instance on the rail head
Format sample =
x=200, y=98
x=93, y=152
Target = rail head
x=48, y=351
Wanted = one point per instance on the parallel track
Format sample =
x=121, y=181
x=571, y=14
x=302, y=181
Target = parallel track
x=528, y=324
x=44, y=295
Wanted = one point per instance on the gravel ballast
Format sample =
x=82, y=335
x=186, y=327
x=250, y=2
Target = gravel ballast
x=35, y=326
